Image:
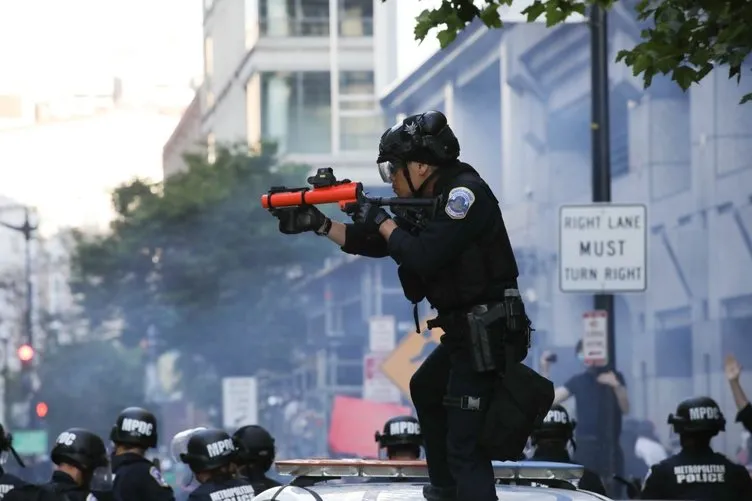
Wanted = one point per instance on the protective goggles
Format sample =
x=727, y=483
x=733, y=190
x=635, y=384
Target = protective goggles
x=388, y=168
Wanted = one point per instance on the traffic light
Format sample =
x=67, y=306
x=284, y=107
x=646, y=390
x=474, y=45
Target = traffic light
x=26, y=355
x=42, y=410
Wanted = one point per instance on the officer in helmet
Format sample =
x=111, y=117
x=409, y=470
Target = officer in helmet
x=697, y=472
x=8, y=481
x=77, y=455
x=550, y=441
x=136, y=477
x=457, y=255
x=211, y=454
x=401, y=438
x=255, y=456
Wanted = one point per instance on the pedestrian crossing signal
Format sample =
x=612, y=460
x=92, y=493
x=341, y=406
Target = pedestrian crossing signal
x=42, y=409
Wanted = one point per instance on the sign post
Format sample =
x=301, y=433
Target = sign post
x=376, y=386
x=239, y=402
x=595, y=338
x=603, y=248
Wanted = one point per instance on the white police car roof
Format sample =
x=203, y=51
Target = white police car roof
x=404, y=491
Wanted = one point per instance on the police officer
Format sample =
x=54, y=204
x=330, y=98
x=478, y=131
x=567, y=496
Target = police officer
x=551, y=439
x=211, y=454
x=255, y=456
x=77, y=454
x=134, y=432
x=458, y=257
x=697, y=472
x=401, y=438
x=185, y=480
x=8, y=481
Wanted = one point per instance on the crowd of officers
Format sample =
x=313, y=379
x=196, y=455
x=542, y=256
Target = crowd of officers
x=226, y=468
x=234, y=467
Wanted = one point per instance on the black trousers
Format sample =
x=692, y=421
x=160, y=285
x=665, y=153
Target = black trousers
x=451, y=434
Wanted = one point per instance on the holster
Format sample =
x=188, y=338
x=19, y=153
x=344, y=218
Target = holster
x=520, y=401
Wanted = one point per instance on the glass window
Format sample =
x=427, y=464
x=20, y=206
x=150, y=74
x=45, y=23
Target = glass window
x=356, y=18
x=356, y=82
x=361, y=133
x=293, y=18
x=296, y=111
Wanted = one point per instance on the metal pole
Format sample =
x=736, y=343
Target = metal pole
x=28, y=317
x=601, y=158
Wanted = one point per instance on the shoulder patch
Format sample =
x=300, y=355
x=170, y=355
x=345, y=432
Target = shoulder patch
x=459, y=202
x=157, y=475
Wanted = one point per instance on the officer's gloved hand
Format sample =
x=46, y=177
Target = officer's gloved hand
x=370, y=216
x=294, y=220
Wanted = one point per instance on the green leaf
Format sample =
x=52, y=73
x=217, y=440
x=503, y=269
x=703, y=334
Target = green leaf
x=490, y=16
x=446, y=37
x=534, y=10
x=746, y=98
x=684, y=76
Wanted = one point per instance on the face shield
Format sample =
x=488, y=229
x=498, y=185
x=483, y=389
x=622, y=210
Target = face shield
x=388, y=168
x=179, y=443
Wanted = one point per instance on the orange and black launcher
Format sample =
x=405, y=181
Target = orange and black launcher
x=325, y=190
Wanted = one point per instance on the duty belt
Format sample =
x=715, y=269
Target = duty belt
x=491, y=312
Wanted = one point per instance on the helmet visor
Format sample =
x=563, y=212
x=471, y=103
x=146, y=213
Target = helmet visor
x=388, y=168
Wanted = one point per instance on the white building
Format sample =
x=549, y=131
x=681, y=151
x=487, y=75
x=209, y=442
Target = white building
x=11, y=269
x=305, y=74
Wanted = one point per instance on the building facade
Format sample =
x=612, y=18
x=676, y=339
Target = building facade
x=519, y=100
x=186, y=138
x=304, y=74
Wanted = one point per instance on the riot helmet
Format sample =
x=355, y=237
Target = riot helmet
x=401, y=432
x=80, y=448
x=425, y=138
x=698, y=415
x=209, y=449
x=136, y=427
x=6, y=446
x=255, y=446
x=557, y=425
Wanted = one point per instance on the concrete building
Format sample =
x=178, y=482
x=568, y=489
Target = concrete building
x=519, y=100
x=304, y=74
x=185, y=138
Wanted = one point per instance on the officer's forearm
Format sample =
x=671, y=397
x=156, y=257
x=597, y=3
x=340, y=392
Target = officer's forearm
x=740, y=398
x=337, y=233
x=622, y=398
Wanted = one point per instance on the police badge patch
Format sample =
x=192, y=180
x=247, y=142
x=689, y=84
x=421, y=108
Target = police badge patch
x=154, y=472
x=459, y=202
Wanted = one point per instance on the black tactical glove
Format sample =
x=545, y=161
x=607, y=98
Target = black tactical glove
x=370, y=216
x=294, y=220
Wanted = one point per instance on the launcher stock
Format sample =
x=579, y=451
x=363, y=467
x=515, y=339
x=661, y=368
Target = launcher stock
x=326, y=189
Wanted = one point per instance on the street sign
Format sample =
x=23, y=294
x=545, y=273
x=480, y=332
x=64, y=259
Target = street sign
x=595, y=338
x=405, y=359
x=376, y=386
x=239, y=402
x=603, y=248
x=30, y=442
x=382, y=334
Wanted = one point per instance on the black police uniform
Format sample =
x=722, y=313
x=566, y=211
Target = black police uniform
x=8, y=482
x=697, y=472
x=550, y=441
x=135, y=477
x=75, y=447
x=459, y=258
x=255, y=456
x=213, y=452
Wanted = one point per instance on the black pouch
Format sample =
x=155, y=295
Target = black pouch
x=520, y=401
x=412, y=285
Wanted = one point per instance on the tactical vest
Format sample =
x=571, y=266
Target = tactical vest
x=480, y=274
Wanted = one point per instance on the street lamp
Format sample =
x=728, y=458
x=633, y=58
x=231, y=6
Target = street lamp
x=27, y=230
